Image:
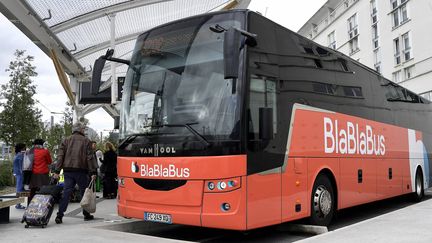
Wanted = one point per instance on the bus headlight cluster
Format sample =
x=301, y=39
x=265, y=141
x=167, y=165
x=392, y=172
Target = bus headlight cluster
x=224, y=185
x=121, y=182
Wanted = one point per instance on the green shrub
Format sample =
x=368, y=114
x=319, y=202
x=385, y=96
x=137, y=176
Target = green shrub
x=6, y=173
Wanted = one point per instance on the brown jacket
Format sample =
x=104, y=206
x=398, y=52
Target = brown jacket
x=75, y=154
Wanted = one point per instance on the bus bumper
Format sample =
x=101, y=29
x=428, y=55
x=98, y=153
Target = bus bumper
x=204, y=209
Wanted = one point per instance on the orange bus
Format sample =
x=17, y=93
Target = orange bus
x=229, y=120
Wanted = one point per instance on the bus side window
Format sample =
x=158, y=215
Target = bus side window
x=262, y=94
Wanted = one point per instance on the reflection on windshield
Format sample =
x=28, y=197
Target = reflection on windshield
x=176, y=77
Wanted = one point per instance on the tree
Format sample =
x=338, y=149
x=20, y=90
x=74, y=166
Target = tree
x=53, y=135
x=20, y=119
x=113, y=138
x=67, y=119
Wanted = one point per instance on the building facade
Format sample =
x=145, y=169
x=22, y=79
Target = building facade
x=393, y=37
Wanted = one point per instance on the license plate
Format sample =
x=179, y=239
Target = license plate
x=158, y=217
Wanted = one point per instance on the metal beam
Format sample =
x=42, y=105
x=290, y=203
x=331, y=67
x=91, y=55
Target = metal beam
x=111, y=110
x=63, y=79
x=234, y=4
x=90, y=108
x=26, y=20
x=105, y=45
x=242, y=4
x=70, y=23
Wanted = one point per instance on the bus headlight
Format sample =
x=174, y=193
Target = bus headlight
x=121, y=182
x=223, y=185
x=210, y=186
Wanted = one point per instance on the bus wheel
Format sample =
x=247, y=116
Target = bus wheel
x=419, y=189
x=322, y=201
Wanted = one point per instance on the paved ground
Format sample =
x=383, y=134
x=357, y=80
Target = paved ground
x=410, y=224
x=395, y=220
x=73, y=229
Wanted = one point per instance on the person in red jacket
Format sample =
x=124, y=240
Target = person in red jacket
x=41, y=161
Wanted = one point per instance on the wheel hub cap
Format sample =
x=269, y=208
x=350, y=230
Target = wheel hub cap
x=322, y=201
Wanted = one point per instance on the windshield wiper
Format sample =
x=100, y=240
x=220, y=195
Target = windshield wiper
x=133, y=136
x=188, y=126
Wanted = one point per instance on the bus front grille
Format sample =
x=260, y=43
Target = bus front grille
x=159, y=185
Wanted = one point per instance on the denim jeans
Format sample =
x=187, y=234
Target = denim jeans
x=70, y=180
x=19, y=183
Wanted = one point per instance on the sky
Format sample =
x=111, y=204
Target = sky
x=51, y=96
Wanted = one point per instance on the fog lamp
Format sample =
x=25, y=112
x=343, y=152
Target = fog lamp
x=226, y=206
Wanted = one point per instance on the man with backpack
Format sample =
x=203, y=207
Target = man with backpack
x=76, y=158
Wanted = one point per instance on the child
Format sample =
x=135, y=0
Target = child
x=17, y=169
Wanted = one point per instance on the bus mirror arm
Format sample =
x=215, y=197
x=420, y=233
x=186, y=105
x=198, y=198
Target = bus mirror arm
x=251, y=38
x=98, y=67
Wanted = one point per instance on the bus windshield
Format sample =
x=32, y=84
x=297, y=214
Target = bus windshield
x=175, y=83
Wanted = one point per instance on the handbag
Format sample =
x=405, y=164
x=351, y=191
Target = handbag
x=28, y=161
x=88, y=201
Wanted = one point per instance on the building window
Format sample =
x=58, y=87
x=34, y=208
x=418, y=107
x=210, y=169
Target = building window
x=400, y=12
x=332, y=40
x=407, y=46
x=394, y=3
x=396, y=77
x=353, y=44
x=395, y=19
x=374, y=12
x=352, y=26
x=396, y=51
x=404, y=14
x=377, y=60
x=409, y=72
x=375, y=36
x=353, y=34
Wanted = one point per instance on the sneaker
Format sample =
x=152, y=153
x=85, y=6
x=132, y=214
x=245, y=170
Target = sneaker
x=19, y=206
x=58, y=220
x=88, y=217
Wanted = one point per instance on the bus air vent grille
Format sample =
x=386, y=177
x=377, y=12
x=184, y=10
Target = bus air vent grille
x=159, y=185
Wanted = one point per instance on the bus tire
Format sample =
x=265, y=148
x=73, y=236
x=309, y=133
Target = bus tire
x=418, y=193
x=322, y=201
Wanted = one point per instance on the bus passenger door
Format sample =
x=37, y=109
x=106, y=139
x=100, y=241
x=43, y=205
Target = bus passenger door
x=265, y=156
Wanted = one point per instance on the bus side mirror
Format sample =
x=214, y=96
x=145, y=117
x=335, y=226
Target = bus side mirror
x=265, y=123
x=97, y=71
x=232, y=49
x=116, y=122
x=231, y=53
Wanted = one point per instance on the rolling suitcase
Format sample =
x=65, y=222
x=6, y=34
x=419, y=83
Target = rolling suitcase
x=39, y=210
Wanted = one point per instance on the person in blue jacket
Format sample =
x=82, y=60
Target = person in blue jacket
x=17, y=169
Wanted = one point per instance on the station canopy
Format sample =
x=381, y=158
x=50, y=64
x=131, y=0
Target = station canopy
x=77, y=32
